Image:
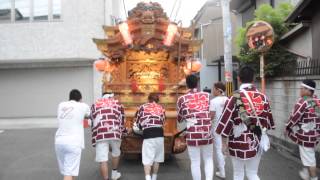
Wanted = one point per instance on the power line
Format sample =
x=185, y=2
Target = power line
x=178, y=9
x=174, y=5
x=124, y=7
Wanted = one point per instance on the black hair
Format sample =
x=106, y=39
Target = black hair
x=310, y=83
x=192, y=81
x=75, y=95
x=246, y=74
x=220, y=85
x=153, y=97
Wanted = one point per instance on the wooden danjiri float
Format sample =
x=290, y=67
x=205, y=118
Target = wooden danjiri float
x=147, y=53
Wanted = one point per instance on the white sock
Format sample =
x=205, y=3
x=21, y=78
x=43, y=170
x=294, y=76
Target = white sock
x=148, y=177
x=314, y=178
x=154, y=176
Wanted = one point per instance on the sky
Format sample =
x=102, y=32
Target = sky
x=40, y=6
x=188, y=8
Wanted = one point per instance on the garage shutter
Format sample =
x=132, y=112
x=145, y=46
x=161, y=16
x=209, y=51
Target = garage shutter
x=36, y=92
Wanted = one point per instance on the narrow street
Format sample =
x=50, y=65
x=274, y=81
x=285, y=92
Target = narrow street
x=29, y=154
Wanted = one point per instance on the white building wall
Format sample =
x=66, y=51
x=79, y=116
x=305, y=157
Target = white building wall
x=70, y=37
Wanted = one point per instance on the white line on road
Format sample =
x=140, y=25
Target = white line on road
x=1, y=131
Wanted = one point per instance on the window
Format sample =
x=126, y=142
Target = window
x=22, y=10
x=29, y=10
x=40, y=10
x=5, y=10
x=56, y=9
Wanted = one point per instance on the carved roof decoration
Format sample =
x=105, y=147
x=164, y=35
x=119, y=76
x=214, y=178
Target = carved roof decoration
x=148, y=24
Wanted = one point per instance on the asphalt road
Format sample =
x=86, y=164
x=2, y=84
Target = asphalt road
x=28, y=154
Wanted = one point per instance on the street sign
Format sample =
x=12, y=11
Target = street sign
x=260, y=37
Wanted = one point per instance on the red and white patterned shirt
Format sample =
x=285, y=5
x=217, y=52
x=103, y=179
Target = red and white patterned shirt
x=150, y=115
x=108, y=120
x=246, y=145
x=193, y=108
x=303, y=126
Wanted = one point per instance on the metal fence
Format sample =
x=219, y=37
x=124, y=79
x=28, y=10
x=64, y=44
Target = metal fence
x=308, y=67
x=303, y=67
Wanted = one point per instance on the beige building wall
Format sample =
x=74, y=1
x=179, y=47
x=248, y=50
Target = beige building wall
x=210, y=18
x=301, y=44
x=283, y=93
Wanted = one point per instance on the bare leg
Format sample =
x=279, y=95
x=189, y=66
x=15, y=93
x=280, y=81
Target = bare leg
x=67, y=178
x=155, y=168
x=104, y=170
x=115, y=162
x=147, y=170
x=313, y=171
x=155, y=171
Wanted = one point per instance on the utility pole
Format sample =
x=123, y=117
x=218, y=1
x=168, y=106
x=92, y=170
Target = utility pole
x=227, y=36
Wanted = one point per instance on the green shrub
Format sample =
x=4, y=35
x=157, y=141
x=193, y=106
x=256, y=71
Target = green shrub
x=277, y=57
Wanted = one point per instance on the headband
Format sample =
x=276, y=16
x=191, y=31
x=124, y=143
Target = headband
x=308, y=87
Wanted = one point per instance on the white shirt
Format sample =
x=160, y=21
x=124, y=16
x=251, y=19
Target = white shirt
x=70, y=116
x=217, y=105
x=245, y=85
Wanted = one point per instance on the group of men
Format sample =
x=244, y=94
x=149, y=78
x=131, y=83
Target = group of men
x=235, y=125
x=108, y=127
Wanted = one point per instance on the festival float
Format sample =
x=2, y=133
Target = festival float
x=144, y=54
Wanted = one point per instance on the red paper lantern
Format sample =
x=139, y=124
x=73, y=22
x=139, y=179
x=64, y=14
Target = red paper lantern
x=193, y=66
x=186, y=71
x=109, y=67
x=171, y=33
x=134, y=86
x=161, y=87
x=100, y=65
x=124, y=30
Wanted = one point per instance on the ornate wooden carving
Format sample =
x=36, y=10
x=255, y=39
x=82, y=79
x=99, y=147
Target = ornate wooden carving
x=147, y=66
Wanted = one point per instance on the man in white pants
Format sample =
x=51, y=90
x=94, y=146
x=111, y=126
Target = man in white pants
x=243, y=124
x=150, y=118
x=216, y=107
x=303, y=128
x=193, y=108
x=107, y=129
x=69, y=138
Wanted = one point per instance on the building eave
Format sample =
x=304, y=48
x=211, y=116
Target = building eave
x=199, y=14
x=294, y=31
x=240, y=6
x=297, y=10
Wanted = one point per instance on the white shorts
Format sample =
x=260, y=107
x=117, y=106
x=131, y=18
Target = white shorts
x=153, y=150
x=102, y=150
x=68, y=157
x=308, y=156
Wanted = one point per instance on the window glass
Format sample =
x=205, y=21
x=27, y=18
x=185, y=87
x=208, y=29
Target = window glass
x=5, y=10
x=56, y=9
x=22, y=8
x=40, y=10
